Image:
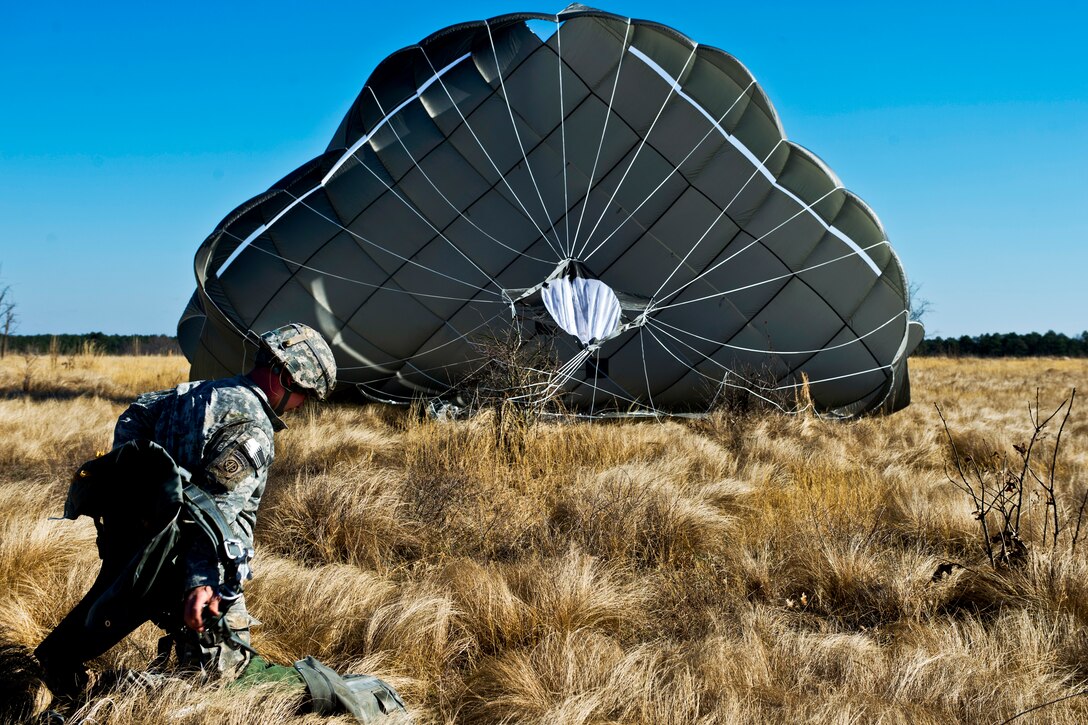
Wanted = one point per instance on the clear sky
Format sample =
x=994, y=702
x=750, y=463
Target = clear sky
x=128, y=130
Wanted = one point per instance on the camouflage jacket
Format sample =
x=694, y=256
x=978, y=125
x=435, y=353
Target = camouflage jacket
x=221, y=432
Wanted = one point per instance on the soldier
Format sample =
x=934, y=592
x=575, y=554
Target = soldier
x=220, y=433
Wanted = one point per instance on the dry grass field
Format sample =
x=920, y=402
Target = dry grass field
x=744, y=568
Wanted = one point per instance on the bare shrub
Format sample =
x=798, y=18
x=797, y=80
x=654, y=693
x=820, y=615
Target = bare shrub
x=999, y=487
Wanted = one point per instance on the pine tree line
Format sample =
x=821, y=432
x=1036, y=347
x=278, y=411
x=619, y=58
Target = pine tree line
x=1008, y=344
x=94, y=343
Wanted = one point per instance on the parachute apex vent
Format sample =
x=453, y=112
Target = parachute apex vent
x=581, y=304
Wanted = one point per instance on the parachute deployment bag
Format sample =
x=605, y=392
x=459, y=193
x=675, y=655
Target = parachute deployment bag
x=368, y=698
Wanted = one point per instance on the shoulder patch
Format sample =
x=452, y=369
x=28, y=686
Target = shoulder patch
x=231, y=467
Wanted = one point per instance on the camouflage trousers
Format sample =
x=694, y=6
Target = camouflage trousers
x=220, y=652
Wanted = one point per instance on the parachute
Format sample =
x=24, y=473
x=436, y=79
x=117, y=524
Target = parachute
x=606, y=185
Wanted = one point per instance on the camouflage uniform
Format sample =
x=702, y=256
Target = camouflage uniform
x=221, y=432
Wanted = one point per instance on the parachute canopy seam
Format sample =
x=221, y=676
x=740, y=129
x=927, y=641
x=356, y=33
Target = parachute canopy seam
x=495, y=166
x=827, y=348
x=333, y=275
x=752, y=157
x=335, y=167
x=418, y=163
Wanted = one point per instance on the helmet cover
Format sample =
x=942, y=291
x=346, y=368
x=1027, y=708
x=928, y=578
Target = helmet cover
x=304, y=355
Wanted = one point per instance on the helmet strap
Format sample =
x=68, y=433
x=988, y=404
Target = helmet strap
x=280, y=406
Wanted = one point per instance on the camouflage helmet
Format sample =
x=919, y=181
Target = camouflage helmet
x=304, y=355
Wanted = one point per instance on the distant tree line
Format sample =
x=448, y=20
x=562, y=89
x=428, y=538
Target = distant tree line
x=94, y=343
x=1008, y=344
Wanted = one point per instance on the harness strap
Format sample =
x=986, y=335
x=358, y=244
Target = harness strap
x=232, y=553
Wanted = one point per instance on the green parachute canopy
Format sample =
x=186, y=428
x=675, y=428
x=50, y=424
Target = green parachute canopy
x=604, y=183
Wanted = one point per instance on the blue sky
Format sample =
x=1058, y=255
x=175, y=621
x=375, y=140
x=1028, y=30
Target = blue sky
x=127, y=131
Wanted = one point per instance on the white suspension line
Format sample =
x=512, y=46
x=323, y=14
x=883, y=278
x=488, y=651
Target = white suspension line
x=596, y=370
x=427, y=221
x=760, y=167
x=777, y=387
x=556, y=379
x=392, y=376
x=517, y=135
x=418, y=165
x=468, y=126
x=604, y=131
x=394, y=254
x=460, y=336
x=340, y=162
x=563, y=137
x=722, y=382
x=755, y=241
x=645, y=370
x=836, y=377
x=711, y=226
x=673, y=87
x=669, y=175
x=778, y=278
x=875, y=330
x=332, y=275
x=625, y=397
x=566, y=373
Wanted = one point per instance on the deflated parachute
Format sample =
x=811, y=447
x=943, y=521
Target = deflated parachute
x=604, y=183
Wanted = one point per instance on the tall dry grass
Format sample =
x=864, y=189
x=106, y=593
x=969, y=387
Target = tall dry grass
x=740, y=568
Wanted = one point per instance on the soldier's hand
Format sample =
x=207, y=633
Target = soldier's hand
x=195, y=602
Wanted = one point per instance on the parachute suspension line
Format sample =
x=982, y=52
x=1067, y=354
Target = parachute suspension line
x=517, y=135
x=391, y=376
x=604, y=132
x=401, y=257
x=427, y=351
x=828, y=348
x=780, y=277
x=645, y=370
x=332, y=275
x=625, y=396
x=340, y=162
x=724, y=382
x=789, y=386
x=427, y=221
x=418, y=165
x=565, y=373
x=725, y=368
x=709, y=228
x=877, y=369
x=490, y=160
x=556, y=379
x=743, y=249
x=596, y=369
x=563, y=137
x=760, y=167
x=673, y=87
x=668, y=176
